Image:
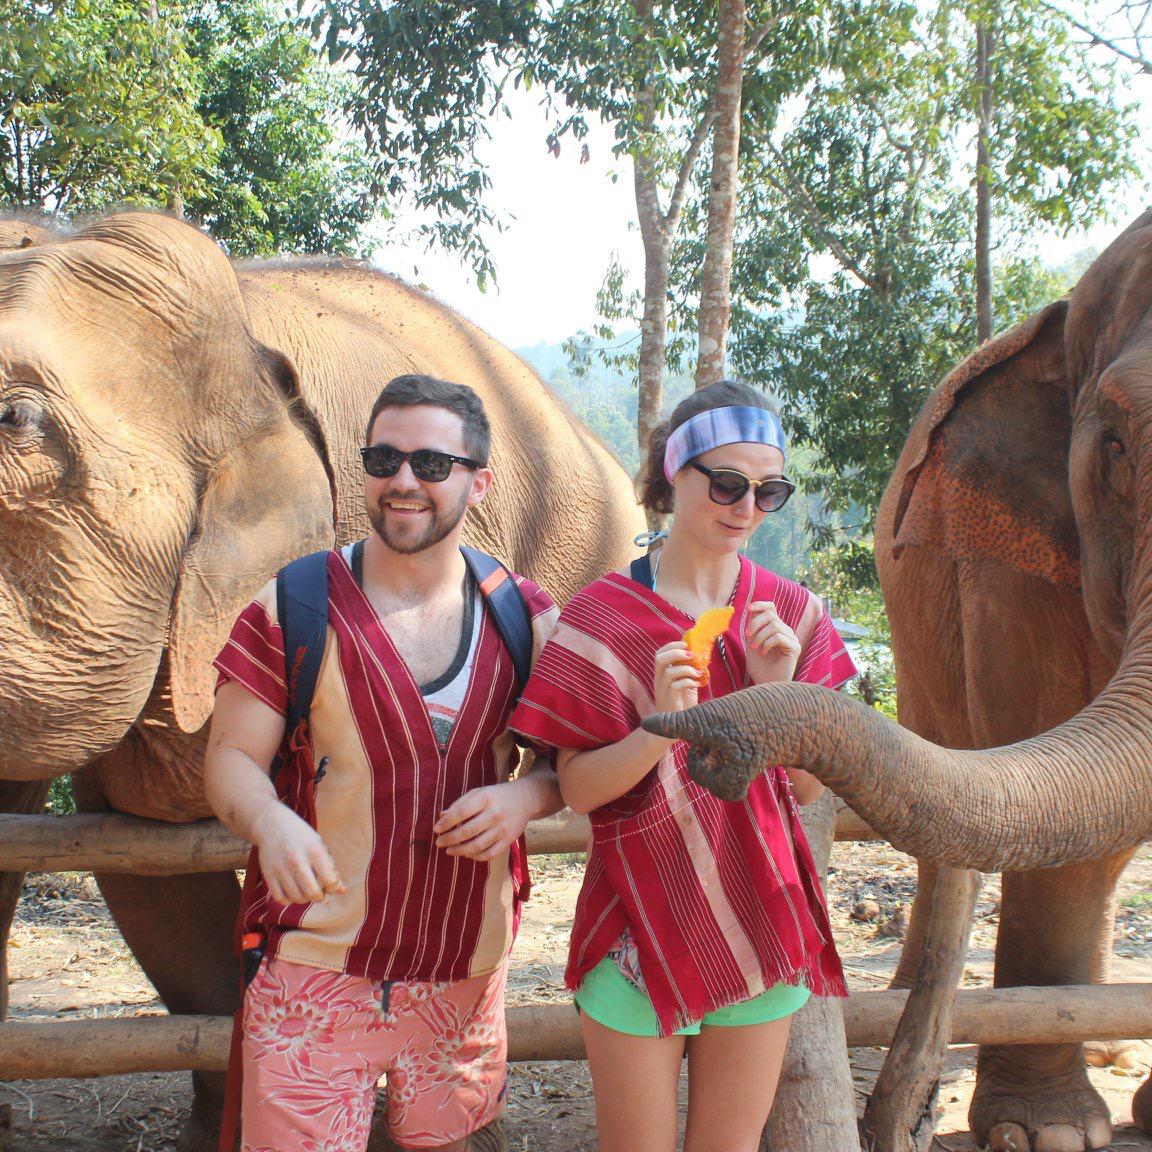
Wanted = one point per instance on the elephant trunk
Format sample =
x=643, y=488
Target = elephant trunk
x=1077, y=792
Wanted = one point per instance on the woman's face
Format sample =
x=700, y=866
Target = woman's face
x=717, y=527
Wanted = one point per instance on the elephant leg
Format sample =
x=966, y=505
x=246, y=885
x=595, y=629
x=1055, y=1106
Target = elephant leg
x=180, y=929
x=931, y=690
x=1055, y=929
x=25, y=798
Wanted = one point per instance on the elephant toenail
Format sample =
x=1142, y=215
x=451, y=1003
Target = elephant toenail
x=1008, y=1138
x=1059, y=1138
x=1099, y=1132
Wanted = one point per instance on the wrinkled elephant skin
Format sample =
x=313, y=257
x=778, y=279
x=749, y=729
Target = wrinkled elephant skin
x=172, y=431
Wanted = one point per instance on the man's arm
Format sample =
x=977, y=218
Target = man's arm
x=242, y=742
x=484, y=823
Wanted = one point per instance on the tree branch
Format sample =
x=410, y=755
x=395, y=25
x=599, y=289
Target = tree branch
x=687, y=163
x=1095, y=37
x=803, y=203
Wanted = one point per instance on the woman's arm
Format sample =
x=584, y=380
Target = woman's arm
x=591, y=779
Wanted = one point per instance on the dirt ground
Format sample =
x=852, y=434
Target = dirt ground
x=67, y=961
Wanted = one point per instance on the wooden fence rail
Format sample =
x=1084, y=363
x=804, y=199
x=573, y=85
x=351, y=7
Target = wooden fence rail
x=108, y=843
x=89, y=1048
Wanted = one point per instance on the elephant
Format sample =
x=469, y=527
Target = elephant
x=1014, y=548
x=173, y=429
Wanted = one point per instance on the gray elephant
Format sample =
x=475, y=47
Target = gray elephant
x=1014, y=545
x=172, y=431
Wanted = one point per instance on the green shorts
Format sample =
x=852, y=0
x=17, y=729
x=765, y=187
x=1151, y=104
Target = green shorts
x=610, y=1000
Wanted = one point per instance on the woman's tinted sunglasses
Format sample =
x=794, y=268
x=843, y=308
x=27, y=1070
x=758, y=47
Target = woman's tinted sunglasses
x=428, y=465
x=727, y=486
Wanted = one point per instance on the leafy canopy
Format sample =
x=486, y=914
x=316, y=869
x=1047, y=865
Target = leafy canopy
x=221, y=107
x=98, y=103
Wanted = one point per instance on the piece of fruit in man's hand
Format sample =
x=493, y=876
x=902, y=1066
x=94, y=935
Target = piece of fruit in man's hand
x=700, y=638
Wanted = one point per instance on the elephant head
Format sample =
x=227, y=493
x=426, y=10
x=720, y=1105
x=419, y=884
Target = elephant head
x=139, y=421
x=1037, y=451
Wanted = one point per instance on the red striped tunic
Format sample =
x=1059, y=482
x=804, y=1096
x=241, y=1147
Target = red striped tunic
x=410, y=911
x=721, y=898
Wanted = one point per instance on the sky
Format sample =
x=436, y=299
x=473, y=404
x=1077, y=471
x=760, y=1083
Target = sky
x=564, y=222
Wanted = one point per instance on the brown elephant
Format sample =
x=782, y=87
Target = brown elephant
x=1014, y=545
x=172, y=431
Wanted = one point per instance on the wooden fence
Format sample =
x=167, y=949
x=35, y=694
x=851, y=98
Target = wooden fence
x=108, y=843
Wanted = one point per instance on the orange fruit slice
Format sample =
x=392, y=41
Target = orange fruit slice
x=700, y=638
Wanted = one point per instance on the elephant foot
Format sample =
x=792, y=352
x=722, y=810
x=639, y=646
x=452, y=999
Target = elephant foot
x=1037, y=1099
x=1142, y=1107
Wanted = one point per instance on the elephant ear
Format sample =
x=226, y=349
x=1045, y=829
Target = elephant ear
x=268, y=501
x=990, y=476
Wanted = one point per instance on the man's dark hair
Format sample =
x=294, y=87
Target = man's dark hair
x=410, y=391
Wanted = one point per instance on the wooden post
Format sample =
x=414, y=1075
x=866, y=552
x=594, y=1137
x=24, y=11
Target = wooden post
x=901, y=1113
x=815, y=1107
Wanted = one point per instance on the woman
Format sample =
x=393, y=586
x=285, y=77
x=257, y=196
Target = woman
x=700, y=926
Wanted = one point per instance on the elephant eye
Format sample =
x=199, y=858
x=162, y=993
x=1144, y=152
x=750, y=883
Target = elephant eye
x=1113, y=445
x=16, y=417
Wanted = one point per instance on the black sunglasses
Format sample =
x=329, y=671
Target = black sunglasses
x=382, y=461
x=727, y=486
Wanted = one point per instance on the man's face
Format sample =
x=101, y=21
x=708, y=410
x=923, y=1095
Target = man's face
x=408, y=514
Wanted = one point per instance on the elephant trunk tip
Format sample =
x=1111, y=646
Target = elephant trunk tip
x=670, y=725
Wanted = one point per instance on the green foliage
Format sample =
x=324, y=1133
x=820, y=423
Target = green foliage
x=853, y=282
x=98, y=103
x=60, y=799
x=224, y=108
x=430, y=73
x=845, y=575
x=284, y=180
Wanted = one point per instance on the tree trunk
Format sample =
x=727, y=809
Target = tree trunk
x=901, y=1115
x=815, y=1107
x=655, y=235
x=984, y=48
x=716, y=277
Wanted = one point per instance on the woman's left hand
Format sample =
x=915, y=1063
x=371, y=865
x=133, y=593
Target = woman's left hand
x=773, y=648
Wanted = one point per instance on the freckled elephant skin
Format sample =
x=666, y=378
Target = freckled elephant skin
x=1014, y=546
x=172, y=431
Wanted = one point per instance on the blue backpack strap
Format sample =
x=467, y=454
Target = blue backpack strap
x=509, y=612
x=641, y=571
x=302, y=609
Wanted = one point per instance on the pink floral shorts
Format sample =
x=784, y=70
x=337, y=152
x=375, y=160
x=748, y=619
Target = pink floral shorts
x=317, y=1042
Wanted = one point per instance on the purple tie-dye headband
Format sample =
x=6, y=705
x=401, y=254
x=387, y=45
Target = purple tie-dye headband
x=717, y=427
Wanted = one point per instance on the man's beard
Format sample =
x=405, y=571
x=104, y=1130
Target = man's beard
x=440, y=526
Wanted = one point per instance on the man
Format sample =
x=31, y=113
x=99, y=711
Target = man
x=390, y=871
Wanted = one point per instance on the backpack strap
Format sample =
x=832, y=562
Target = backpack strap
x=509, y=612
x=641, y=571
x=302, y=610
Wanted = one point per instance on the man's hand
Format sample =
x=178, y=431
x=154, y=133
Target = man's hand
x=294, y=860
x=484, y=823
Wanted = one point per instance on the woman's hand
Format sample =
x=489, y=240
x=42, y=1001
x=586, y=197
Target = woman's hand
x=677, y=681
x=773, y=648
